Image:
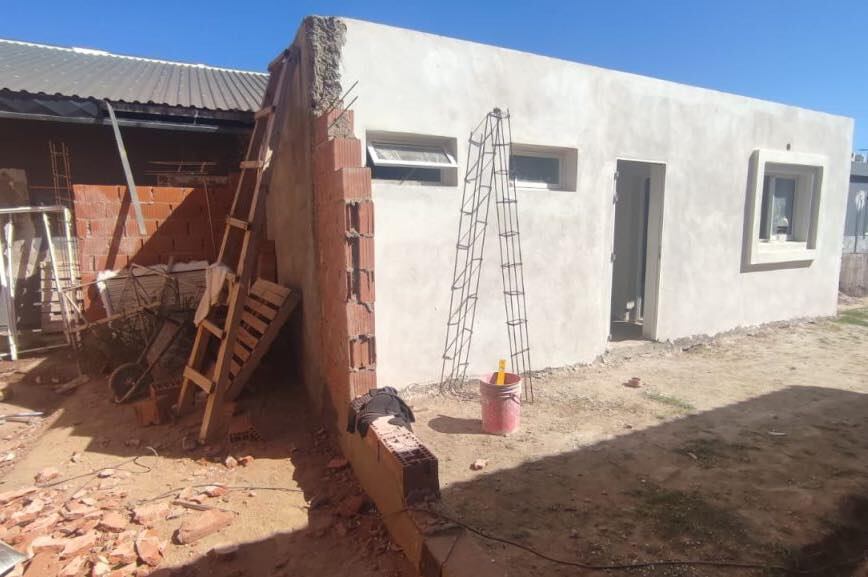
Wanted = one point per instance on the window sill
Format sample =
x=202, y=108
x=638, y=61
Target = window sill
x=769, y=252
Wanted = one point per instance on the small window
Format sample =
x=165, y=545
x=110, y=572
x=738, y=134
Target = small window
x=541, y=171
x=543, y=167
x=414, y=159
x=786, y=190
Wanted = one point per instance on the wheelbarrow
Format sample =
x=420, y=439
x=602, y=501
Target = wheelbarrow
x=130, y=380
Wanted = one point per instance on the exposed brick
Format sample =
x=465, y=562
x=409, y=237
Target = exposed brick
x=203, y=524
x=131, y=227
x=365, y=259
x=343, y=153
x=171, y=195
x=156, y=210
x=362, y=352
x=362, y=381
x=321, y=124
x=103, y=227
x=365, y=286
x=354, y=183
x=364, y=218
x=90, y=209
x=97, y=193
x=360, y=319
x=82, y=227
x=130, y=246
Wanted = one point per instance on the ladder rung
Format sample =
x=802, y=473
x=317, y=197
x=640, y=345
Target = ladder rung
x=212, y=328
x=507, y=201
x=263, y=112
x=509, y=234
x=238, y=223
x=511, y=264
x=513, y=293
x=201, y=380
x=245, y=164
x=516, y=322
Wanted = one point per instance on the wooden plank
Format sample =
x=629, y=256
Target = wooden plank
x=246, y=164
x=241, y=352
x=212, y=328
x=198, y=378
x=254, y=322
x=241, y=377
x=238, y=223
x=245, y=337
x=270, y=298
x=260, y=309
x=266, y=285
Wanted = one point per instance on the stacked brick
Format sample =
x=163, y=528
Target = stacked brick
x=344, y=224
x=177, y=225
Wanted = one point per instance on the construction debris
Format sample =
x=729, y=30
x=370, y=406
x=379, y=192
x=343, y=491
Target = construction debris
x=202, y=525
x=46, y=475
x=479, y=464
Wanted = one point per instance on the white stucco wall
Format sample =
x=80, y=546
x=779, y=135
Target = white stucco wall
x=419, y=83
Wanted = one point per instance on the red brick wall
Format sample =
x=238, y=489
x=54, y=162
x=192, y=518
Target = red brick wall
x=177, y=224
x=344, y=229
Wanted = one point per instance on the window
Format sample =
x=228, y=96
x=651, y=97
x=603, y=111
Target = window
x=779, y=195
x=543, y=167
x=786, y=193
x=409, y=158
x=542, y=171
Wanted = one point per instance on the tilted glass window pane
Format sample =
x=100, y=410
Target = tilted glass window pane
x=412, y=153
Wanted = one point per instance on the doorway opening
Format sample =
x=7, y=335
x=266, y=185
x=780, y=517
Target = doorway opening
x=636, y=250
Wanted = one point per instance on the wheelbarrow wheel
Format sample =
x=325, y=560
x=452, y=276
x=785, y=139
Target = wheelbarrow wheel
x=124, y=378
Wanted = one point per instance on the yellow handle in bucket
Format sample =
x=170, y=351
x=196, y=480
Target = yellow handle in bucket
x=501, y=372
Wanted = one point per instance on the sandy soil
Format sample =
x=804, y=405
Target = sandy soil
x=751, y=446
x=290, y=521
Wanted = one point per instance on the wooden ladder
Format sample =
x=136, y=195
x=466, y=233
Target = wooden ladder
x=221, y=329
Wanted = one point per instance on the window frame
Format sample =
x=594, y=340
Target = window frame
x=448, y=171
x=557, y=154
x=375, y=158
x=809, y=171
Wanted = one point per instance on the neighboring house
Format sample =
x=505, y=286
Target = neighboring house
x=856, y=224
x=184, y=126
x=729, y=209
x=854, y=260
x=167, y=111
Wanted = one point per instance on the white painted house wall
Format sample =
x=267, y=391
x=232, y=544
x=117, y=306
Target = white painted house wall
x=420, y=83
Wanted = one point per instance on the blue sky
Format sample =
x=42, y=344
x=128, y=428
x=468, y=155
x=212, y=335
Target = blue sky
x=810, y=54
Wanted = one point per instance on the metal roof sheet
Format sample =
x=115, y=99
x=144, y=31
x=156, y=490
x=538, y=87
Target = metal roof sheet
x=86, y=73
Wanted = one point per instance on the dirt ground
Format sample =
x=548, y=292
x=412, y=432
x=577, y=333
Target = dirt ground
x=752, y=446
x=293, y=515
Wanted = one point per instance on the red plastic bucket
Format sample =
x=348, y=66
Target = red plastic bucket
x=501, y=404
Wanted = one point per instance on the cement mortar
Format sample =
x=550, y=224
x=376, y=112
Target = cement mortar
x=326, y=37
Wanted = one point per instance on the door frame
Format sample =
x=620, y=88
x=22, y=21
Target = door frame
x=654, y=248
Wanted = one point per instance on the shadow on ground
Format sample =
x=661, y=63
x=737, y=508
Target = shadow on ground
x=781, y=478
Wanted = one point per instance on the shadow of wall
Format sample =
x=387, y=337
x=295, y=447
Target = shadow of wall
x=780, y=478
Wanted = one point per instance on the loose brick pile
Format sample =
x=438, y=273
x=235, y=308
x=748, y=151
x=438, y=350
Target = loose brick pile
x=94, y=532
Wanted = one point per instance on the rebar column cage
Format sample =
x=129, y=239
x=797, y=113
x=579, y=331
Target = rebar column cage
x=488, y=173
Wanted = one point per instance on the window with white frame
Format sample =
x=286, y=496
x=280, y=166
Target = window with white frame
x=786, y=193
x=543, y=167
x=411, y=158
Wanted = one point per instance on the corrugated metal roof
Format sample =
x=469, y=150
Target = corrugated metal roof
x=86, y=73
